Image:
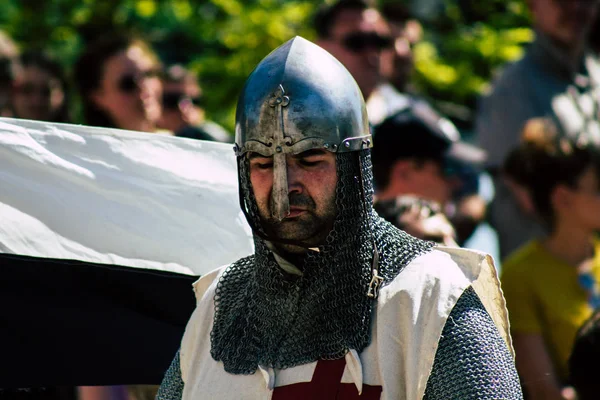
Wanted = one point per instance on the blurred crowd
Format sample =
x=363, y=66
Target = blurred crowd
x=120, y=82
x=526, y=190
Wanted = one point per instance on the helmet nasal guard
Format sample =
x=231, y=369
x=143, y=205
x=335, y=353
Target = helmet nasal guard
x=299, y=98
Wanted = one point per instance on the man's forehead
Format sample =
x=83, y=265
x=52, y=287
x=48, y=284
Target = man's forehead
x=308, y=153
x=354, y=20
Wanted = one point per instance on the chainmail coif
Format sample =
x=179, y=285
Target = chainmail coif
x=264, y=316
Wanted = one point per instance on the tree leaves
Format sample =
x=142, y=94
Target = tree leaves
x=465, y=40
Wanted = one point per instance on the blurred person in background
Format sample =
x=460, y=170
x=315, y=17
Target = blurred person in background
x=410, y=158
x=183, y=113
x=418, y=217
x=119, y=80
x=9, y=67
x=12, y=76
x=551, y=283
x=397, y=65
x=583, y=362
x=356, y=34
x=557, y=77
x=393, y=94
x=40, y=89
x=418, y=169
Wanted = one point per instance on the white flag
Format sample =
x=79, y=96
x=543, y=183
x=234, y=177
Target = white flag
x=118, y=197
x=102, y=233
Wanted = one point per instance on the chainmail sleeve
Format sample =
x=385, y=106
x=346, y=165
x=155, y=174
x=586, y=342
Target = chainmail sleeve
x=472, y=360
x=171, y=387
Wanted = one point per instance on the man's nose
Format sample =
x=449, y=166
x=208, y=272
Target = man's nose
x=294, y=178
x=144, y=85
x=150, y=84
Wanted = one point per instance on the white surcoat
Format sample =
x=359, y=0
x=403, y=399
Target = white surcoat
x=408, y=320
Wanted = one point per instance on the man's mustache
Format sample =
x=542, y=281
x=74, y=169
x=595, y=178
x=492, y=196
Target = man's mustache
x=300, y=200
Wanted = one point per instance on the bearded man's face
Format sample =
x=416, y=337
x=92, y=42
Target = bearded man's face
x=312, y=180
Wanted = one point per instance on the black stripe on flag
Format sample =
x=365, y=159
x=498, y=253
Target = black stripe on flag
x=67, y=322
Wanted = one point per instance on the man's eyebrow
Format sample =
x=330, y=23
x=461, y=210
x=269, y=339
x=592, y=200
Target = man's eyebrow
x=311, y=152
x=252, y=155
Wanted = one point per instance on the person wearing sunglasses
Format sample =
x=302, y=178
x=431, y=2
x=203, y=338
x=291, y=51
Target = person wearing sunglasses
x=118, y=77
x=356, y=34
x=183, y=111
x=39, y=90
x=119, y=81
x=397, y=65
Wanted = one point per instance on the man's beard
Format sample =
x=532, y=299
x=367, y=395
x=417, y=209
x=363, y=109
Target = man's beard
x=308, y=229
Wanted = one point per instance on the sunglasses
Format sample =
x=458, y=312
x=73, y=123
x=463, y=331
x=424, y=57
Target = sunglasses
x=129, y=83
x=29, y=89
x=360, y=41
x=171, y=100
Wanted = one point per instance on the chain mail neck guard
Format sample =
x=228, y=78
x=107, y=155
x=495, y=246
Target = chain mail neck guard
x=264, y=316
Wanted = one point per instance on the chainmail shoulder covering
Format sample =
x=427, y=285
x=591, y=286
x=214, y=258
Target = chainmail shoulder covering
x=171, y=387
x=265, y=317
x=472, y=360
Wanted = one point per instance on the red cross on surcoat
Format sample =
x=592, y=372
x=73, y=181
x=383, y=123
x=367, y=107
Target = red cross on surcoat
x=326, y=385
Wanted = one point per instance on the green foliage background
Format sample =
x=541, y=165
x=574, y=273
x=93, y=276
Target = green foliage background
x=464, y=43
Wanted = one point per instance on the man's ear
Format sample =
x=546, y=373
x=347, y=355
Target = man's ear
x=560, y=198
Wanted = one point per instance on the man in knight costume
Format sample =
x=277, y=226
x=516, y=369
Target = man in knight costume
x=335, y=303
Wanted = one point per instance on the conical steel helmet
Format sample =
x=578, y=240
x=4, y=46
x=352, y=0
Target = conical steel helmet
x=299, y=98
